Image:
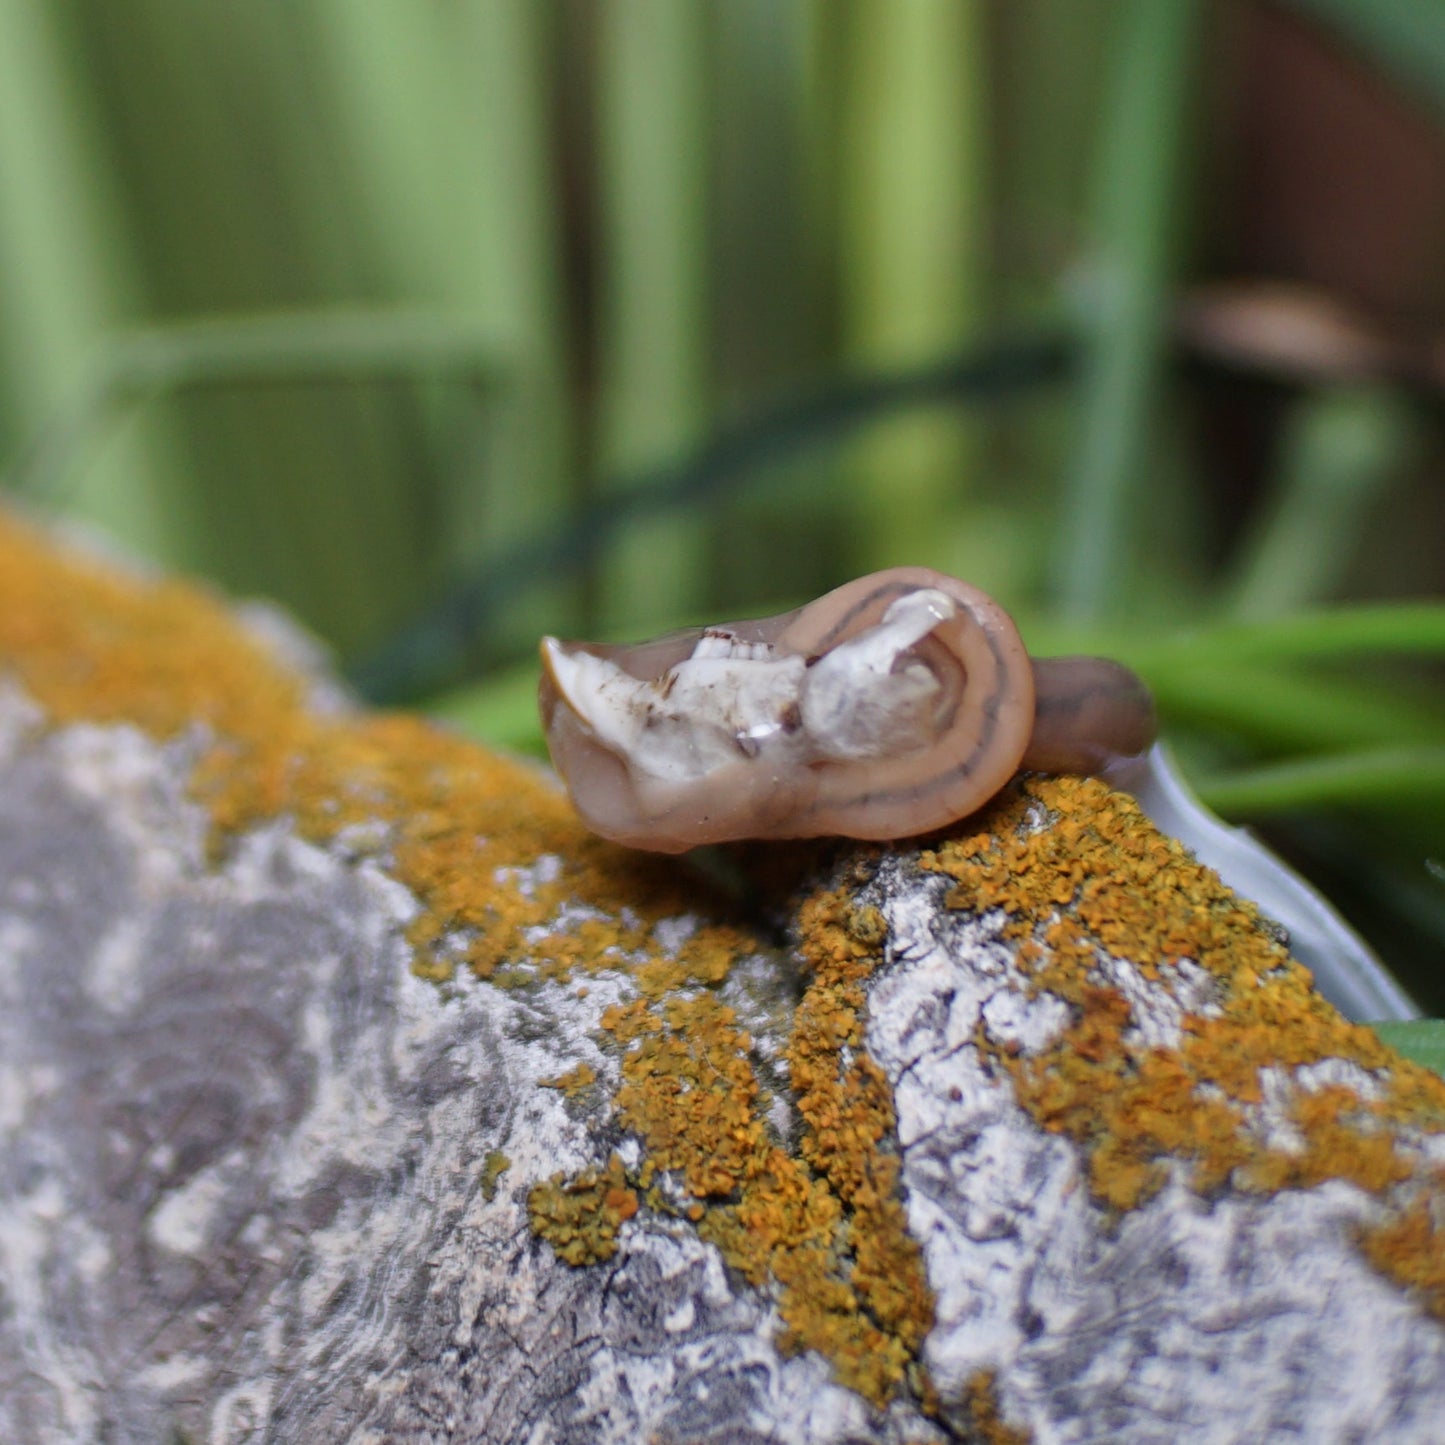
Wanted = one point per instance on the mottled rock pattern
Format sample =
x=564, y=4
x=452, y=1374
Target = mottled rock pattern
x=245, y=1159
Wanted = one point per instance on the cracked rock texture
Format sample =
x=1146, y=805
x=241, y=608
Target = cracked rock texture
x=1233, y=1318
x=274, y=1105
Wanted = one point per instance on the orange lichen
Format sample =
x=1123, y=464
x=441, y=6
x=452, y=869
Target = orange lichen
x=580, y=1217
x=574, y=1082
x=827, y=1222
x=1088, y=877
x=1410, y=1245
x=986, y=1422
x=92, y=644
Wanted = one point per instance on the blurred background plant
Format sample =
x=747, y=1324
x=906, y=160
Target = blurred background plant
x=447, y=322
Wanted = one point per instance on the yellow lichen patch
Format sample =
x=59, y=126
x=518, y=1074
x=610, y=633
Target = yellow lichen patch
x=511, y=886
x=493, y=1167
x=1132, y=893
x=93, y=645
x=827, y=1223
x=96, y=645
x=986, y=1423
x=580, y=1217
x=1343, y=1141
x=574, y=1081
x=848, y=1108
x=1410, y=1246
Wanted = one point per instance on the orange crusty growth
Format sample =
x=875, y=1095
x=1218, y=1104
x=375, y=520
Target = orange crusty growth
x=94, y=645
x=580, y=1217
x=826, y=1223
x=987, y=1425
x=1410, y=1247
x=1096, y=877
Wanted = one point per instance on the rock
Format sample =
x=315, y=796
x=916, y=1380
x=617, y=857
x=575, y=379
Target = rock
x=352, y=1092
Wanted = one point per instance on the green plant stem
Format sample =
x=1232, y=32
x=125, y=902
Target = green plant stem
x=1406, y=36
x=1371, y=776
x=1342, y=449
x=69, y=268
x=1362, y=629
x=132, y=366
x=1284, y=711
x=913, y=240
x=1134, y=205
x=653, y=291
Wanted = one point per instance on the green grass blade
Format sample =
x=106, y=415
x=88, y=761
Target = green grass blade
x=1135, y=202
x=913, y=241
x=652, y=123
x=1407, y=37
x=1286, y=710
x=1383, y=629
x=1421, y=1040
x=1370, y=777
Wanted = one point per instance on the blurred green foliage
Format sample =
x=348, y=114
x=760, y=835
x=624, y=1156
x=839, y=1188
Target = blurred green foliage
x=439, y=311
x=1423, y=1041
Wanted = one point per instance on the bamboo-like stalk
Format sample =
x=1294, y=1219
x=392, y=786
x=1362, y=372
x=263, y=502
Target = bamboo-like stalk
x=652, y=128
x=1342, y=449
x=446, y=112
x=771, y=279
x=1134, y=205
x=393, y=80
x=913, y=247
x=69, y=272
x=509, y=266
x=240, y=200
x=1045, y=66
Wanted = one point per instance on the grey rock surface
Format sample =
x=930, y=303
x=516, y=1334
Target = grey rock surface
x=243, y=1184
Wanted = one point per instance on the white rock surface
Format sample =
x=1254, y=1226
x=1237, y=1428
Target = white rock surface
x=1194, y=1321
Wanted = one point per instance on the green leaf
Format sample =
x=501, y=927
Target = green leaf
x=500, y=712
x=1405, y=37
x=1421, y=1040
x=1136, y=202
x=1367, y=775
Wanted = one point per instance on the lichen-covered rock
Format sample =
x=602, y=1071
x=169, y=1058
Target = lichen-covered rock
x=349, y=1091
